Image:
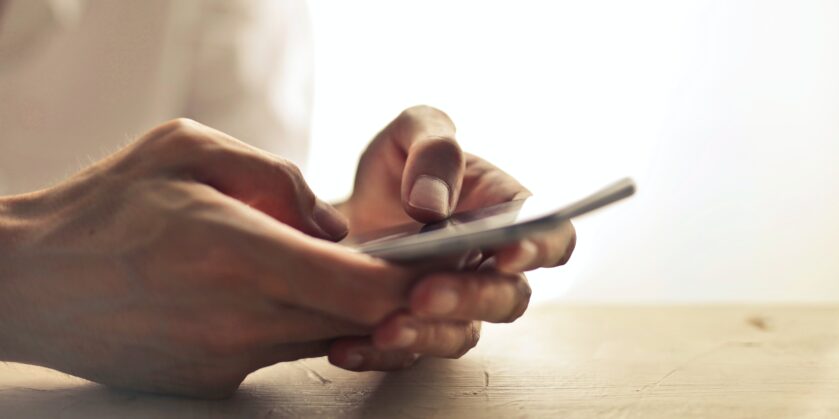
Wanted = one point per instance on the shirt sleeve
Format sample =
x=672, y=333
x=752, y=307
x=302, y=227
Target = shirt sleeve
x=251, y=73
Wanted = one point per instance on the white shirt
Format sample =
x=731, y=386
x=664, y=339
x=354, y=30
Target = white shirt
x=81, y=78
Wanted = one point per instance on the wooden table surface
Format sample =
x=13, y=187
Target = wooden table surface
x=557, y=361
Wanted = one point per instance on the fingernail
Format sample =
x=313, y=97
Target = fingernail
x=443, y=300
x=406, y=337
x=431, y=194
x=524, y=257
x=330, y=220
x=352, y=361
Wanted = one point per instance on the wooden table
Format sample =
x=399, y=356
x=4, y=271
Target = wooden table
x=557, y=361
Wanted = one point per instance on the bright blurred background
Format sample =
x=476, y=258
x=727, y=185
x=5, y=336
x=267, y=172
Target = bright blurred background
x=726, y=113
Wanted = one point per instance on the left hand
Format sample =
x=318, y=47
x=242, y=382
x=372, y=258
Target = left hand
x=415, y=170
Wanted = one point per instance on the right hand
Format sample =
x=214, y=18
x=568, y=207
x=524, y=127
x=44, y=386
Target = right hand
x=164, y=268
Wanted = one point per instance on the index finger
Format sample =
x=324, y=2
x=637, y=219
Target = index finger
x=263, y=181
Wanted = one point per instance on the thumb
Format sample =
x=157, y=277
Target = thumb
x=434, y=163
x=432, y=178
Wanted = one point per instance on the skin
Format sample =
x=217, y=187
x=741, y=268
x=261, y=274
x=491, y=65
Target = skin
x=189, y=259
x=421, y=142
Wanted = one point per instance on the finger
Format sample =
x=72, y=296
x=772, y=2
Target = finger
x=261, y=180
x=289, y=324
x=294, y=269
x=441, y=338
x=547, y=250
x=486, y=185
x=434, y=164
x=483, y=295
x=236, y=328
x=359, y=354
x=288, y=267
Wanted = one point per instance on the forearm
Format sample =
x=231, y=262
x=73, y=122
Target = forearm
x=6, y=239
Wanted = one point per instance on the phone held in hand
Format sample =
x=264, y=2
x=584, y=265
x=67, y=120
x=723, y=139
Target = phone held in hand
x=485, y=228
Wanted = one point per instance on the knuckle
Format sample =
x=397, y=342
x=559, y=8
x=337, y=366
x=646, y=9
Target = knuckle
x=182, y=124
x=423, y=111
x=186, y=134
x=414, y=115
x=168, y=127
x=290, y=178
x=174, y=133
x=291, y=170
x=183, y=127
x=166, y=142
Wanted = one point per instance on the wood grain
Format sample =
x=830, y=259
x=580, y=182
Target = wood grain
x=557, y=361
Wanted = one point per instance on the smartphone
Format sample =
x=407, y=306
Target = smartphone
x=483, y=229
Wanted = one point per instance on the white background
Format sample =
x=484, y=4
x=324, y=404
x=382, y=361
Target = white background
x=725, y=112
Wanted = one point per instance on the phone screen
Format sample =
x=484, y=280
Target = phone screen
x=495, y=216
x=483, y=228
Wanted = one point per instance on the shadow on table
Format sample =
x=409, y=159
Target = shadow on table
x=430, y=386
x=96, y=401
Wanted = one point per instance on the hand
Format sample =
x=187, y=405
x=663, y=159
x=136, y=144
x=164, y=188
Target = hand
x=415, y=170
x=164, y=268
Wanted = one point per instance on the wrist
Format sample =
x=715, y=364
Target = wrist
x=14, y=223
x=14, y=228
